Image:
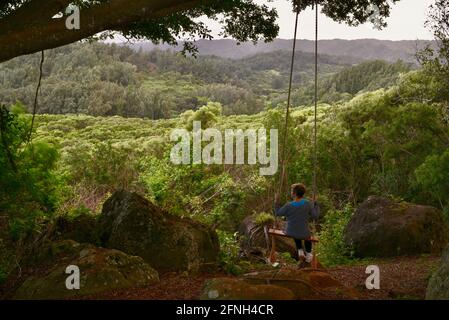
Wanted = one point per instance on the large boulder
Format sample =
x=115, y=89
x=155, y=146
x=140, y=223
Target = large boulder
x=284, y=284
x=101, y=270
x=253, y=240
x=383, y=228
x=438, y=287
x=134, y=225
x=304, y=283
x=238, y=289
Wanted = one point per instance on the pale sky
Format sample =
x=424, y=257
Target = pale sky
x=405, y=23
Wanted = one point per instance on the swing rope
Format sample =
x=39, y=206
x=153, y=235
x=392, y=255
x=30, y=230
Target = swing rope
x=315, y=122
x=287, y=116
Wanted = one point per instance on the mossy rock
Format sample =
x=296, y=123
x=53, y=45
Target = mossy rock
x=101, y=270
x=131, y=223
x=438, y=287
x=384, y=228
x=304, y=283
x=284, y=284
x=237, y=289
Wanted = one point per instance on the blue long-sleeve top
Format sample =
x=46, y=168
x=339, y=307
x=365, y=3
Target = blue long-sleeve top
x=298, y=214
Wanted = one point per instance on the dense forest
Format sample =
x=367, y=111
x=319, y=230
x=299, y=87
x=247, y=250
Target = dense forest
x=390, y=142
x=104, y=80
x=88, y=180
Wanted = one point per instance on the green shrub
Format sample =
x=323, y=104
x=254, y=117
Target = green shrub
x=229, y=252
x=445, y=212
x=207, y=115
x=205, y=193
x=101, y=166
x=2, y=275
x=331, y=249
x=26, y=224
x=432, y=178
x=77, y=212
x=263, y=219
x=28, y=183
x=287, y=257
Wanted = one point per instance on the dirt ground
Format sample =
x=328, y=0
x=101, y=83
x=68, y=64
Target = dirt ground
x=401, y=278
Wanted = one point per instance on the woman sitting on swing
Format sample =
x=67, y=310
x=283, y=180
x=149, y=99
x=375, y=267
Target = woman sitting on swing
x=298, y=213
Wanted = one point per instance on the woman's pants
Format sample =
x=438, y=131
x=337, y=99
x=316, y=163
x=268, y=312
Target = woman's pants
x=306, y=245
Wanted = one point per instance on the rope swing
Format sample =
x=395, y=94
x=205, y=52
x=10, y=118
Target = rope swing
x=287, y=115
x=274, y=232
x=315, y=117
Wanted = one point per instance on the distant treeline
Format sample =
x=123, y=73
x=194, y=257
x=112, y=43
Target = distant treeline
x=101, y=79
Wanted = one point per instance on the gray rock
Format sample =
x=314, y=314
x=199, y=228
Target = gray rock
x=383, y=228
x=134, y=225
x=101, y=270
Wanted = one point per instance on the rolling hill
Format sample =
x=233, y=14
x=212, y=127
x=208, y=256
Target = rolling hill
x=364, y=49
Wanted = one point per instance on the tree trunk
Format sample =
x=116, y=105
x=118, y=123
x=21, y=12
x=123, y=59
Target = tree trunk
x=31, y=28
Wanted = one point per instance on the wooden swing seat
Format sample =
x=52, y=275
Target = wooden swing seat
x=281, y=233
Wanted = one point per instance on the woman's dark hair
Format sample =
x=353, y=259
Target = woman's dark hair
x=299, y=189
